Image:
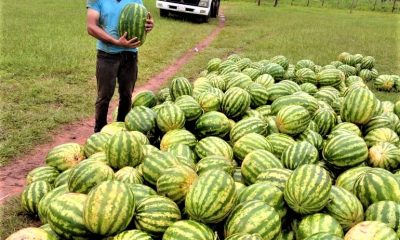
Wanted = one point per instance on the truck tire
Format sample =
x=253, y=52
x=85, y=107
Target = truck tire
x=163, y=13
x=214, y=8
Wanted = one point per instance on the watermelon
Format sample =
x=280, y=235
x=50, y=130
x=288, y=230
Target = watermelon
x=247, y=125
x=211, y=197
x=244, y=236
x=371, y=230
x=384, y=82
x=62, y=178
x=144, y=98
x=305, y=63
x=323, y=236
x=275, y=176
x=367, y=62
x=31, y=233
x=209, y=101
x=190, y=107
x=280, y=142
x=308, y=103
x=254, y=217
x=309, y=88
x=170, y=117
x=44, y=173
x=65, y=216
x=311, y=197
x=213, y=163
x=87, y=175
x=32, y=194
x=384, y=155
x=317, y=223
x=65, y=156
x=209, y=146
x=117, y=198
x=312, y=137
x=325, y=119
x=258, y=94
x=132, y=234
x=212, y=124
x=156, y=163
x=174, y=182
x=358, y=113
x=292, y=120
x=376, y=185
x=155, y=214
x=266, y=80
x=213, y=64
x=348, y=178
x=176, y=136
x=96, y=143
x=47, y=199
x=281, y=60
x=188, y=230
x=249, y=143
x=240, y=80
x=141, y=192
x=48, y=229
x=257, y=162
x=298, y=154
x=113, y=127
x=305, y=75
x=380, y=135
x=140, y=118
x=345, y=207
x=396, y=109
x=348, y=126
x=253, y=73
x=129, y=175
x=123, y=149
x=132, y=20
x=384, y=211
x=235, y=102
x=182, y=150
x=163, y=95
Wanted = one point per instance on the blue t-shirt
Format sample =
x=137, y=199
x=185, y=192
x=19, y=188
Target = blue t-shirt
x=109, y=17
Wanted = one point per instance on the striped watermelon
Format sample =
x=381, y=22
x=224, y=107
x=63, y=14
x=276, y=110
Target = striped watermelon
x=100, y=156
x=213, y=64
x=273, y=69
x=65, y=156
x=174, y=182
x=65, y=216
x=323, y=236
x=311, y=197
x=211, y=197
x=305, y=63
x=309, y=88
x=229, y=69
x=345, y=207
x=47, y=199
x=312, y=137
x=305, y=75
x=265, y=111
x=188, y=230
x=176, y=136
x=154, y=214
x=144, y=98
x=396, y=109
x=376, y=185
x=367, y=62
x=280, y=142
x=252, y=73
x=214, y=163
x=345, y=150
x=379, y=135
x=235, y=102
x=298, y=154
x=163, y=94
x=132, y=234
x=123, y=149
x=275, y=176
x=247, y=125
x=87, y=175
x=244, y=236
x=317, y=223
x=249, y=143
x=132, y=20
x=170, y=117
x=44, y=173
x=266, y=80
x=115, y=197
x=129, y=175
x=143, y=140
x=240, y=80
x=180, y=86
x=48, y=229
x=96, y=143
x=190, y=107
x=384, y=155
x=330, y=77
x=32, y=194
x=348, y=178
x=31, y=233
x=62, y=178
x=281, y=60
x=210, y=146
x=141, y=118
x=384, y=211
x=141, y=192
x=113, y=127
x=283, y=88
x=156, y=163
x=254, y=217
x=257, y=162
x=358, y=113
x=292, y=120
x=209, y=101
x=183, y=150
x=325, y=120
x=265, y=192
x=212, y=124
x=371, y=230
x=353, y=80
x=258, y=94
x=384, y=82
x=308, y=103
x=348, y=126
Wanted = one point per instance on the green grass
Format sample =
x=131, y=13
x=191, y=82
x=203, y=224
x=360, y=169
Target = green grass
x=47, y=66
x=13, y=218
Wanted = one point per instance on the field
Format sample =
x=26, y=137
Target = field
x=47, y=65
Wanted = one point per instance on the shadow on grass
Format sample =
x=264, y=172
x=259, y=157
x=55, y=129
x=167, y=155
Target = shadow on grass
x=13, y=218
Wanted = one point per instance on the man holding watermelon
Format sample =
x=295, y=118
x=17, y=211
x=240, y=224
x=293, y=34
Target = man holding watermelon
x=116, y=56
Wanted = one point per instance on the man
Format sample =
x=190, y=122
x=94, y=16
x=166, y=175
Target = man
x=116, y=57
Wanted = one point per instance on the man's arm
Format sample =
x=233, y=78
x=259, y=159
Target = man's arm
x=96, y=31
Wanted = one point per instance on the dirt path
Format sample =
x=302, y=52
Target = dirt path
x=12, y=176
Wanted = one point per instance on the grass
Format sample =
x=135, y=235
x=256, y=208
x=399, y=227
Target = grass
x=48, y=63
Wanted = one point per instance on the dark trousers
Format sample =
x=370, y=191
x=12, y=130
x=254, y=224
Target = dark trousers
x=110, y=68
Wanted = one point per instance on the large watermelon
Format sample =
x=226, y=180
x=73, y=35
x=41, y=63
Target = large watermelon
x=188, y=230
x=132, y=20
x=65, y=156
x=317, y=223
x=371, y=230
x=292, y=120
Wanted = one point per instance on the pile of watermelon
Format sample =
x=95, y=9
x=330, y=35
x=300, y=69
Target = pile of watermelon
x=260, y=150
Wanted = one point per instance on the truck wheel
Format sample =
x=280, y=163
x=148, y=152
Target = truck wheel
x=205, y=18
x=163, y=13
x=214, y=9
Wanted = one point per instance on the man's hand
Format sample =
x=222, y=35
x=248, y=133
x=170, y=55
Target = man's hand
x=123, y=42
x=149, y=23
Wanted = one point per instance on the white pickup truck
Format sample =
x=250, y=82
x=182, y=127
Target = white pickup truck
x=204, y=8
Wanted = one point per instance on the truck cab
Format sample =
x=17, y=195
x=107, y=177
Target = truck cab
x=203, y=8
